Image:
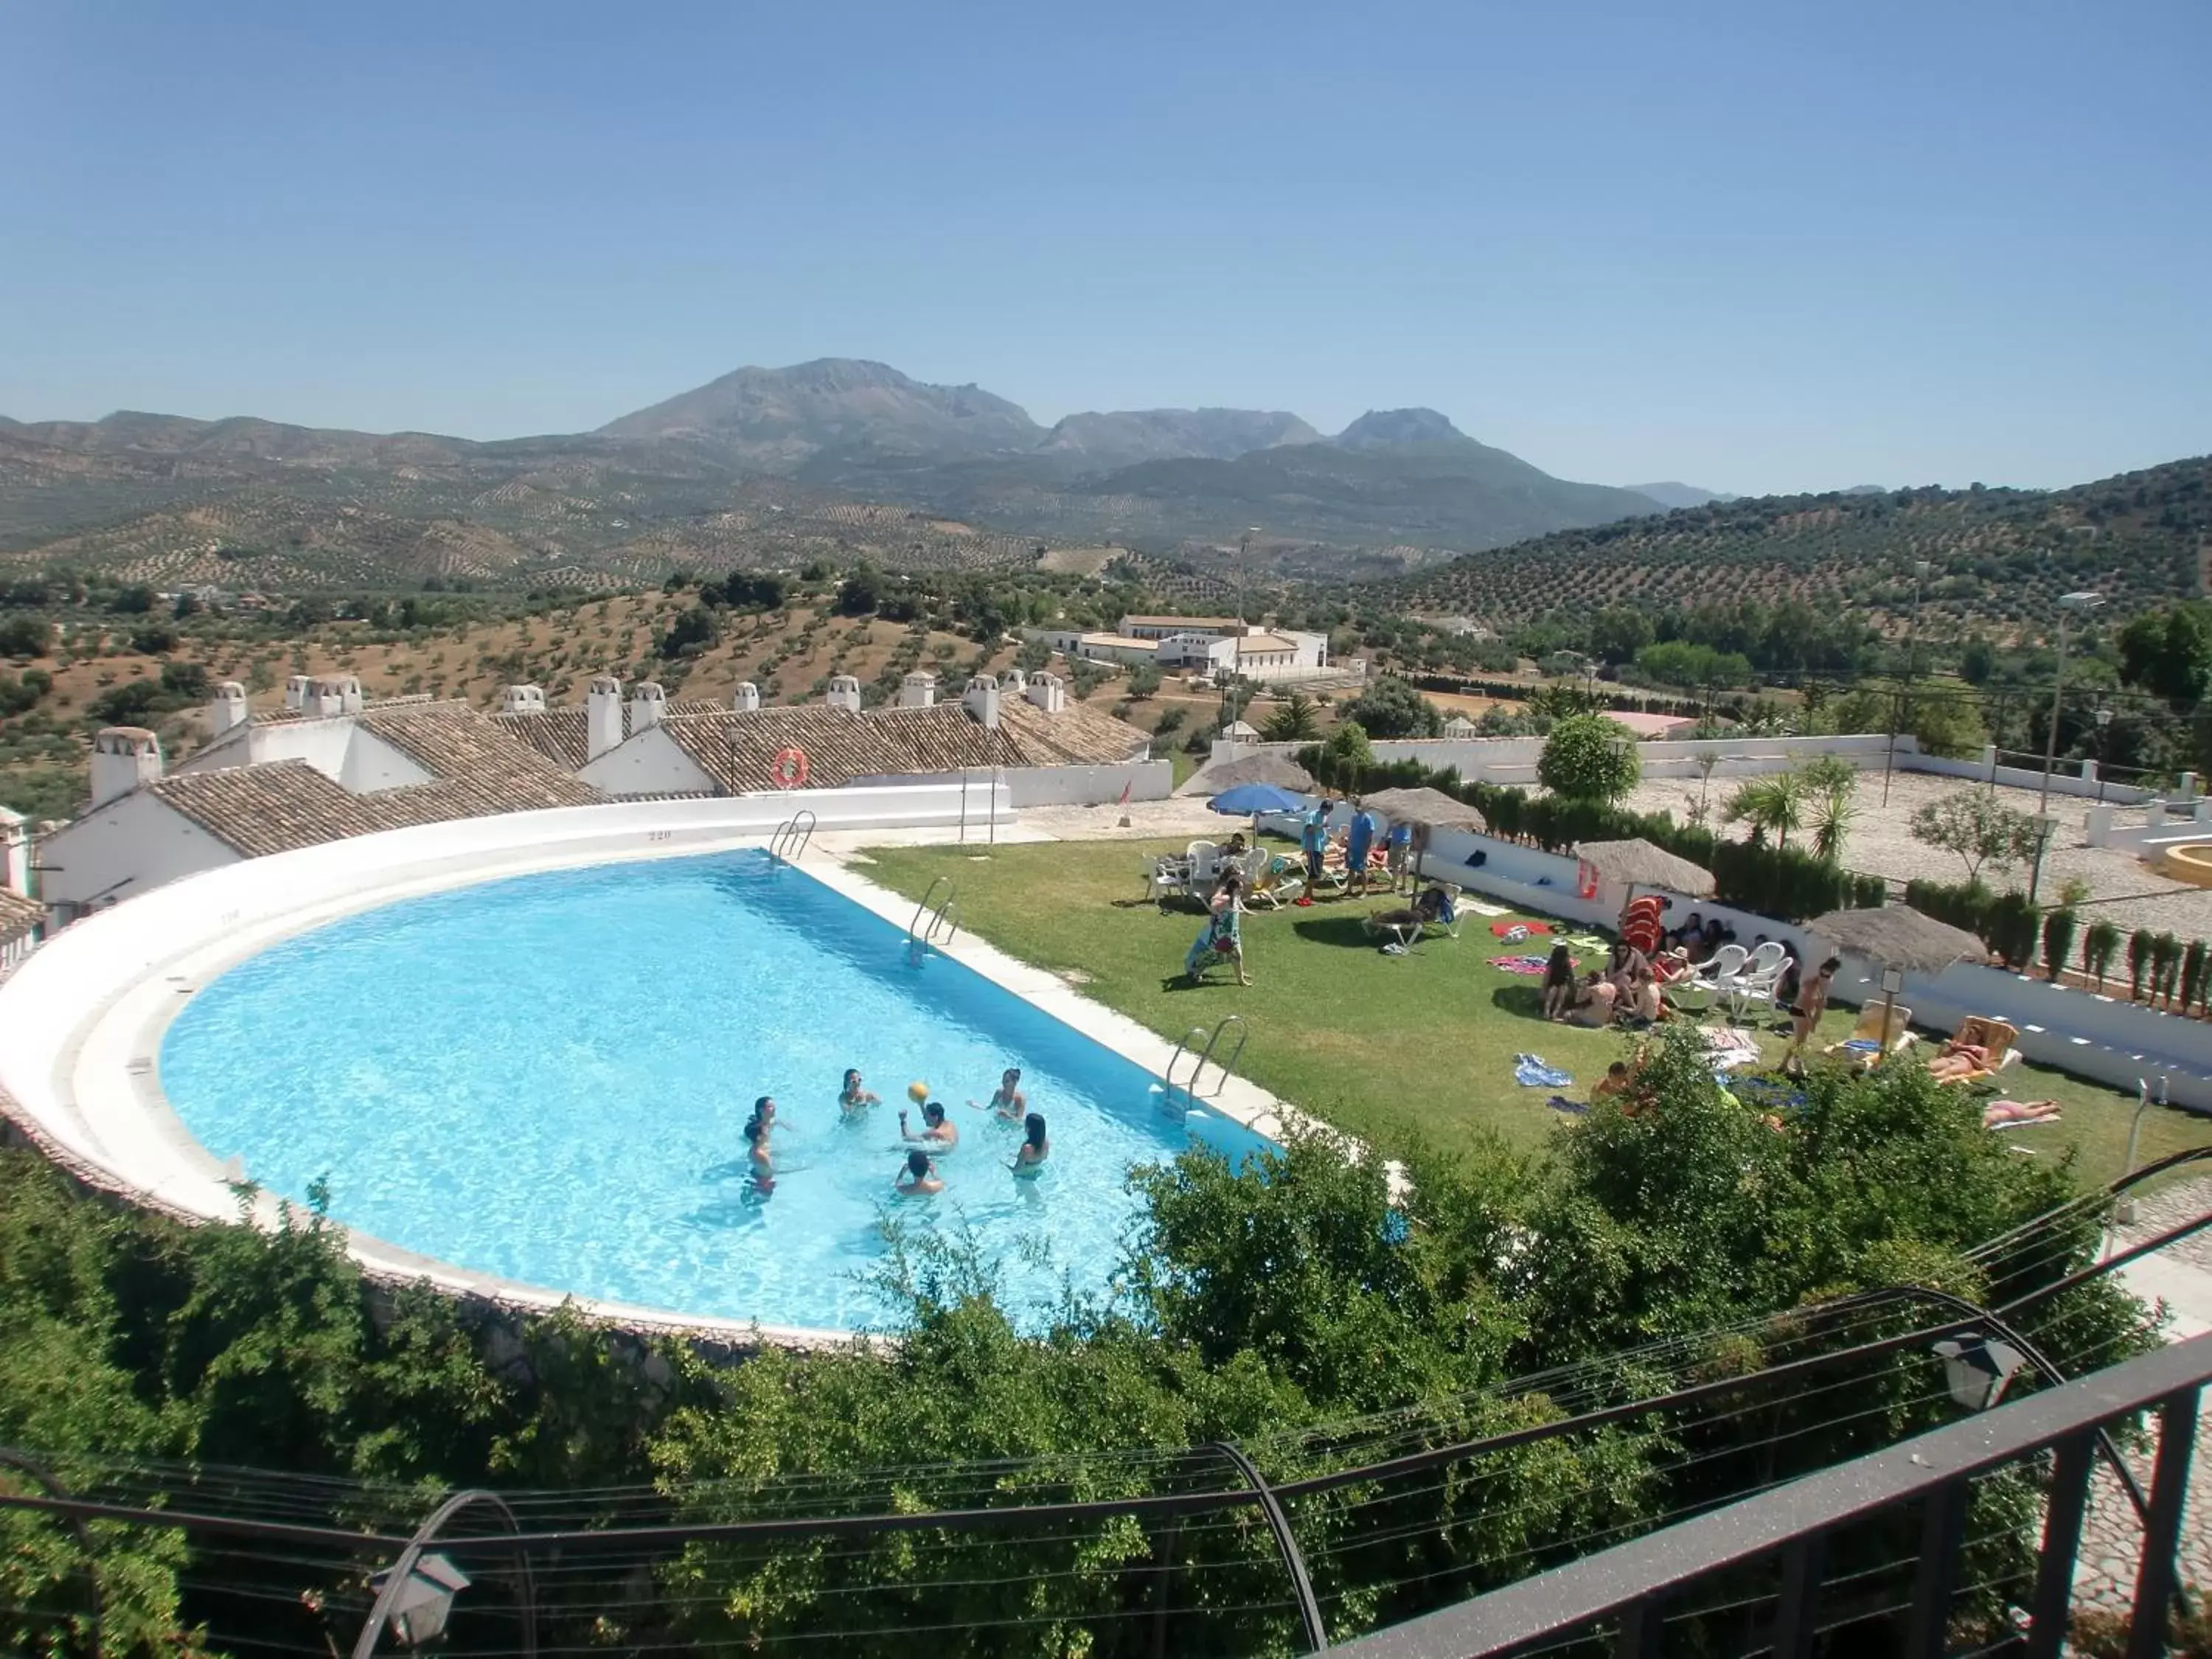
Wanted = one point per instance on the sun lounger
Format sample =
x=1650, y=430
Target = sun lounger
x=1408, y=926
x=1863, y=1047
x=1996, y=1036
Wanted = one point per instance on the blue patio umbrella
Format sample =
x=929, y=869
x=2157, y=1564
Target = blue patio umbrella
x=1251, y=799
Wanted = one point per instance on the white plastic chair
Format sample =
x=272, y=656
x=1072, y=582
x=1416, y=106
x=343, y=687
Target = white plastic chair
x=1164, y=877
x=1709, y=979
x=1205, y=863
x=1757, y=982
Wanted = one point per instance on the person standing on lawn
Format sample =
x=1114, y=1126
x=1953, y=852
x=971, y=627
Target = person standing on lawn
x=1359, y=847
x=1805, y=1017
x=1313, y=840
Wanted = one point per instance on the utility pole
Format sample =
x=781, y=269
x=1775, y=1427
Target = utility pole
x=2068, y=603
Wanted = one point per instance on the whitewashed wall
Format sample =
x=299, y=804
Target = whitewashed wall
x=136, y=836
x=1089, y=785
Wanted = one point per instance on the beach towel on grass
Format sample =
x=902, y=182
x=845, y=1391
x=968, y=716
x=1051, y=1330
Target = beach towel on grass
x=1730, y=1045
x=1530, y=1072
x=1533, y=966
x=1529, y=929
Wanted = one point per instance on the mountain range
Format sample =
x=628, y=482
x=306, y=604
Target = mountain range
x=1397, y=486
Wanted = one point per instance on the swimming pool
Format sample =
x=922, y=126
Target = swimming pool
x=547, y=1077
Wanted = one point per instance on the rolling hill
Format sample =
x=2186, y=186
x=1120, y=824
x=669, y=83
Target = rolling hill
x=1998, y=557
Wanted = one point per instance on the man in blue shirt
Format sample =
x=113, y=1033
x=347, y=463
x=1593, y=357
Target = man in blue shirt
x=1359, y=847
x=1313, y=838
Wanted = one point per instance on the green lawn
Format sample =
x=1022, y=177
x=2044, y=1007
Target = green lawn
x=1363, y=1041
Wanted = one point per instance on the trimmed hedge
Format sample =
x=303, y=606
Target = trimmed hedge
x=1785, y=883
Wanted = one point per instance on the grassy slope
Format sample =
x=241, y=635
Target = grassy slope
x=1369, y=1042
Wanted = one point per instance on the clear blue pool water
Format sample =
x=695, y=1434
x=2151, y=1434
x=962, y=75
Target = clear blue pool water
x=547, y=1077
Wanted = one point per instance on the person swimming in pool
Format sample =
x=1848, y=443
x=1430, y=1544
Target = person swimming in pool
x=763, y=1112
x=936, y=1131
x=1008, y=1102
x=1030, y=1156
x=758, y=1159
x=852, y=1098
x=920, y=1178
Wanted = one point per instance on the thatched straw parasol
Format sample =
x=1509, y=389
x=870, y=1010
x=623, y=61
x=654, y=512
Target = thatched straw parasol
x=1431, y=809
x=1640, y=864
x=1897, y=936
x=1266, y=767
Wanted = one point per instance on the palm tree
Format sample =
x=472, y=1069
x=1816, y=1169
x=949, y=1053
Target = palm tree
x=1833, y=812
x=1294, y=722
x=1771, y=805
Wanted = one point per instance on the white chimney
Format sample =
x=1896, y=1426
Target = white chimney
x=603, y=716
x=350, y=701
x=295, y=692
x=15, y=852
x=230, y=711
x=747, y=698
x=918, y=690
x=1048, y=692
x=325, y=697
x=122, y=758
x=522, y=700
x=648, y=703
x=844, y=693
x=1015, y=681
x=981, y=700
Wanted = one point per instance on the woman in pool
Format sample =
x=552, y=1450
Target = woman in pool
x=852, y=1097
x=757, y=1158
x=763, y=1112
x=1029, y=1156
x=918, y=1179
x=935, y=1130
x=1009, y=1103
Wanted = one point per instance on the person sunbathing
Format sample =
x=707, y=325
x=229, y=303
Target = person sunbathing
x=1955, y=1061
x=1431, y=905
x=2003, y=1114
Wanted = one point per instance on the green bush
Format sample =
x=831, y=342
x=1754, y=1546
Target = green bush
x=2098, y=946
x=2139, y=956
x=1588, y=757
x=2058, y=928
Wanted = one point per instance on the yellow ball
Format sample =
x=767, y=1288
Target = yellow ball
x=917, y=1092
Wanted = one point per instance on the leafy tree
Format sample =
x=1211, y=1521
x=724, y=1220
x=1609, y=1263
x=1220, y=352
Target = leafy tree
x=1588, y=757
x=1393, y=708
x=1143, y=678
x=692, y=632
x=186, y=680
x=1346, y=758
x=1618, y=633
x=2170, y=652
x=1978, y=661
x=2058, y=928
x=2140, y=944
x=1832, y=786
x=135, y=600
x=1978, y=828
x=861, y=594
x=1292, y=720
x=25, y=636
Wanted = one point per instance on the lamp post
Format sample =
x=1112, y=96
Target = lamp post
x=1898, y=707
x=2068, y=603
x=2104, y=727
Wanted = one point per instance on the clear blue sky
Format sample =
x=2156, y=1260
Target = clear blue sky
x=1760, y=245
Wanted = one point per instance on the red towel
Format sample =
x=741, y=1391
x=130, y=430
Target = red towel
x=1500, y=929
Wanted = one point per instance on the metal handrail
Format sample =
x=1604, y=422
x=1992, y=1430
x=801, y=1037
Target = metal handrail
x=792, y=836
x=914, y=934
x=1243, y=1032
x=1632, y=1581
x=1183, y=1046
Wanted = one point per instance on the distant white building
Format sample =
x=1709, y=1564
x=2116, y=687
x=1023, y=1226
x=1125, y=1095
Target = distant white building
x=1212, y=646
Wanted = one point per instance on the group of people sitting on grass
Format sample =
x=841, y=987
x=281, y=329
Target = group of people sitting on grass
x=1630, y=988
x=918, y=1175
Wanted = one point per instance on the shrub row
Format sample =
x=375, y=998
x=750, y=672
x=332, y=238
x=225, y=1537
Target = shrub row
x=1783, y=883
x=2161, y=969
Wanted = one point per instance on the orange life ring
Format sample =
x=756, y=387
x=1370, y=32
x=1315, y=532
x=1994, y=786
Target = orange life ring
x=789, y=769
x=1585, y=880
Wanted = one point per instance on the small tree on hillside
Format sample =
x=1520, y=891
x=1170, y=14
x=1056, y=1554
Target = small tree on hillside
x=1347, y=756
x=1588, y=757
x=1980, y=829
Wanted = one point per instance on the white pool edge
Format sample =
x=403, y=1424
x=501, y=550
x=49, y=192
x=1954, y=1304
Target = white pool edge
x=82, y=1023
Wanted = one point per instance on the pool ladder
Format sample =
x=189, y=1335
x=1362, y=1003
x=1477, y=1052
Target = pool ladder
x=931, y=921
x=792, y=837
x=1200, y=1055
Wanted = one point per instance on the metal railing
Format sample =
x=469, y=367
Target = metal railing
x=792, y=836
x=1200, y=1056
x=930, y=919
x=1631, y=1584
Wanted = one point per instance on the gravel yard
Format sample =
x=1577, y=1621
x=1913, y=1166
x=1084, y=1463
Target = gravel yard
x=1881, y=844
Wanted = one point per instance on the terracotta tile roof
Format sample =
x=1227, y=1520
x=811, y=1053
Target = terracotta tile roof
x=473, y=752
x=739, y=751
x=557, y=733
x=18, y=914
x=479, y=766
